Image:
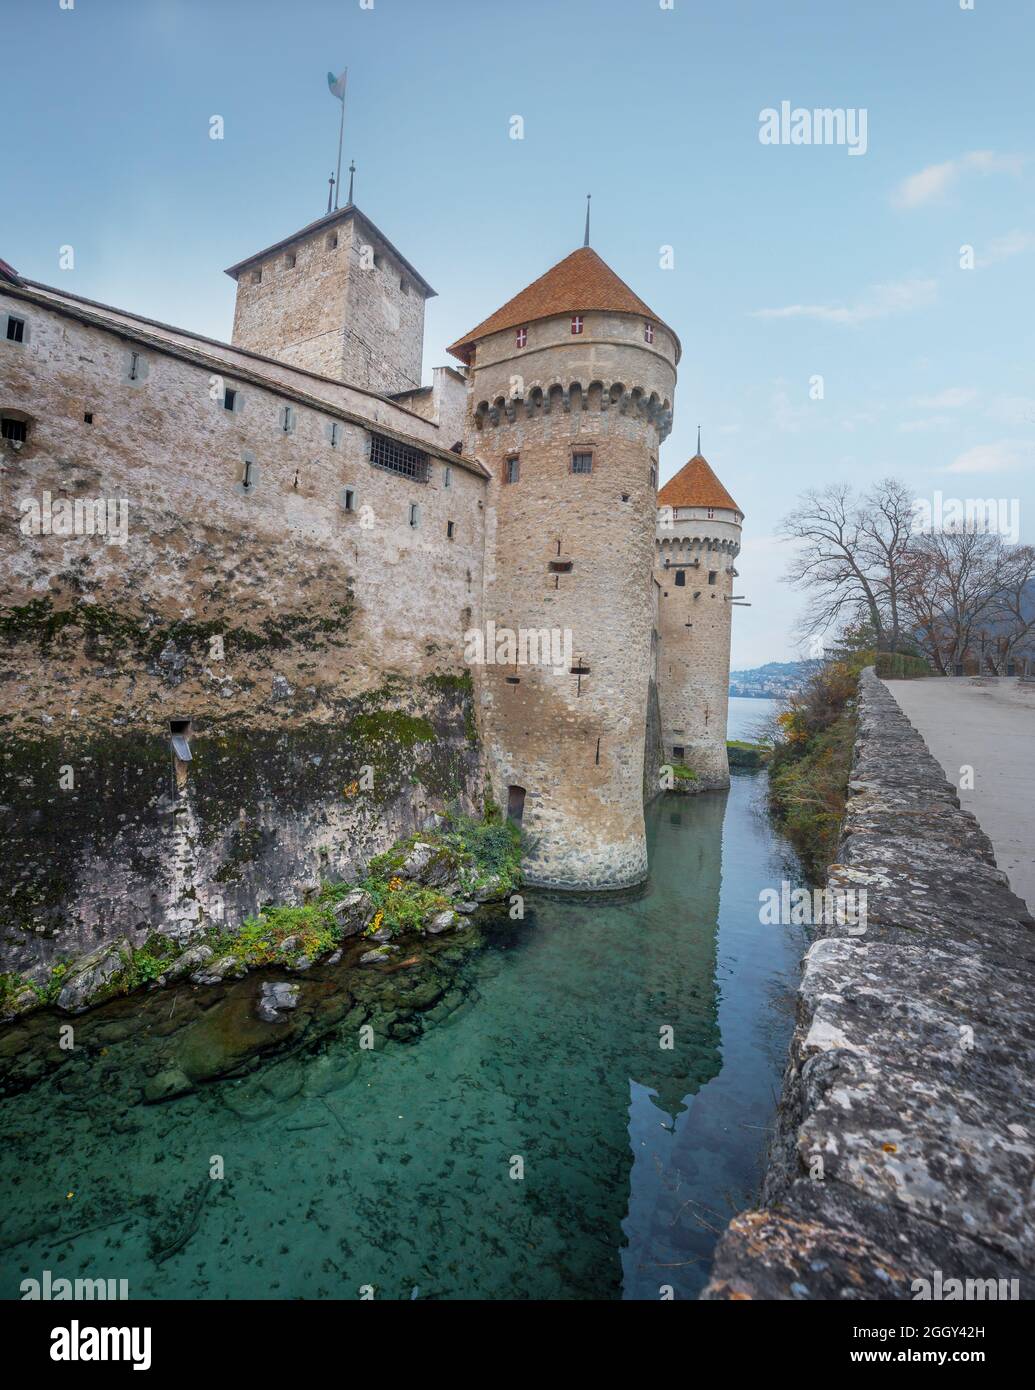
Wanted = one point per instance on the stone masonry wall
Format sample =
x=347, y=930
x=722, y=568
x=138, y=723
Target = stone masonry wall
x=345, y=308
x=574, y=742
x=303, y=642
x=904, y=1142
x=695, y=625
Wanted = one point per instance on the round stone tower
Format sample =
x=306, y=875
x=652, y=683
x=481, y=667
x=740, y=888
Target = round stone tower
x=698, y=540
x=570, y=394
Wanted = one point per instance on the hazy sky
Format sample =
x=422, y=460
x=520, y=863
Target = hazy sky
x=790, y=261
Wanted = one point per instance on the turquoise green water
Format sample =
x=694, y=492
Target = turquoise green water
x=517, y=1131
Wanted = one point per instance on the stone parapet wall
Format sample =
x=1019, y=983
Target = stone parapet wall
x=904, y=1146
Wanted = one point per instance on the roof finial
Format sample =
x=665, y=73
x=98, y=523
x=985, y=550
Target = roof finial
x=588, y=196
x=330, y=191
x=352, y=175
x=698, y=441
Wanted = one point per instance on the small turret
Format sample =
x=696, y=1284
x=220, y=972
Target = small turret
x=698, y=540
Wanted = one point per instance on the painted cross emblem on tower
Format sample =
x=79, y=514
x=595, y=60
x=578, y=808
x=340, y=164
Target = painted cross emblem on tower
x=576, y=323
x=521, y=338
x=648, y=333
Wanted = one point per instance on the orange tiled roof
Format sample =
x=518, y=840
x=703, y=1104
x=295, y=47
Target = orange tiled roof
x=581, y=281
x=695, y=485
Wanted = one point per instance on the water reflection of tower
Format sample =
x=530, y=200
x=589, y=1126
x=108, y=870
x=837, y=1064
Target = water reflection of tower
x=685, y=837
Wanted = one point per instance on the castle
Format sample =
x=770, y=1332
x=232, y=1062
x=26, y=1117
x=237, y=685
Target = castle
x=312, y=534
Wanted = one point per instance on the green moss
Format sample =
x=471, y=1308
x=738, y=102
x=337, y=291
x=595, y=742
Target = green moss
x=682, y=773
x=40, y=622
x=395, y=726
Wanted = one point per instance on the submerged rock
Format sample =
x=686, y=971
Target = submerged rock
x=441, y=922
x=166, y=1085
x=377, y=956
x=276, y=998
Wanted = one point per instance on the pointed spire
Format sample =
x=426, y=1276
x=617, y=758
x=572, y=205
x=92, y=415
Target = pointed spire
x=352, y=177
x=330, y=192
x=698, y=441
x=588, y=197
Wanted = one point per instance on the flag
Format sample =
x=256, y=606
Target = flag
x=337, y=84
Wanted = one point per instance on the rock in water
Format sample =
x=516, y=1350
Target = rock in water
x=275, y=999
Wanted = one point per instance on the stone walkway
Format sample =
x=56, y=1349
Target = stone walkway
x=988, y=724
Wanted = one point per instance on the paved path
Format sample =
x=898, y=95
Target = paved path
x=989, y=725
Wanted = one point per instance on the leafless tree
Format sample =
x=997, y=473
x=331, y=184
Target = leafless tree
x=949, y=590
x=850, y=556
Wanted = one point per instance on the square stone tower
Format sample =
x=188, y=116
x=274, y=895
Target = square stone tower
x=335, y=298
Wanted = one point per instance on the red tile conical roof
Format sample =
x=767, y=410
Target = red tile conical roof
x=695, y=485
x=581, y=281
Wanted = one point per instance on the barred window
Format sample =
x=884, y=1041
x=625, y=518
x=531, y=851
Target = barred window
x=582, y=463
x=398, y=458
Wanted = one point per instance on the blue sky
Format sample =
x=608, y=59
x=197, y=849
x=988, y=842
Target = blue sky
x=790, y=261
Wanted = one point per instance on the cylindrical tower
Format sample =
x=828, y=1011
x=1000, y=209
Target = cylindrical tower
x=571, y=387
x=698, y=540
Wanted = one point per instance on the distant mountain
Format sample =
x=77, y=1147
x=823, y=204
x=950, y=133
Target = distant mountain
x=773, y=680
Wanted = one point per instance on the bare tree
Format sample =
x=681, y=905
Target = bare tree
x=886, y=520
x=831, y=561
x=1013, y=609
x=851, y=556
x=949, y=590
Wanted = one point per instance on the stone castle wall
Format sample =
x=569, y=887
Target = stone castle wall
x=303, y=642
x=574, y=742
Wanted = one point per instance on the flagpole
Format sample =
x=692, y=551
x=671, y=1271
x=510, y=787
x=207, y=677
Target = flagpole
x=341, y=132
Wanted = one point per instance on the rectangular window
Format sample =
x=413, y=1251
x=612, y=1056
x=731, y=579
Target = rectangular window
x=348, y=499
x=521, y=337
x=88, y=417
x=711, y=513
x=229, y=398
x=582, y=463
x=512, y=470
x=654, y=475
x=450, y=530
x=332, y=241
x=677, y=750
x=256, y=277
x=414, y=515
x=289, y=260
x=712, y=576
x=648, y=333
x=398, y=458
x=15, y=330
x=447, y=476
x=576, y=323
x=680, y=579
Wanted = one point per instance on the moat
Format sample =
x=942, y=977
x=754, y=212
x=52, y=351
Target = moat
x=535, y=1045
